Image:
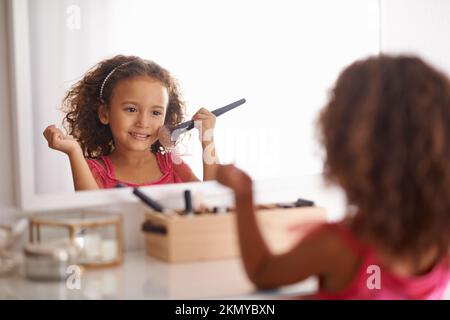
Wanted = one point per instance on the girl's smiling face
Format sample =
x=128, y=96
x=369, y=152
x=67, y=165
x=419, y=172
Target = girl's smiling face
x=136, y=112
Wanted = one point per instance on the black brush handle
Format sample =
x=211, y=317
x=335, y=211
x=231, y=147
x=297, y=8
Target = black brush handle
x=188, y=125
x=188, y=201
x=148, y=201
x=228, y=107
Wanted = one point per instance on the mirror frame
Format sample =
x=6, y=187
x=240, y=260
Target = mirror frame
x=21, y=104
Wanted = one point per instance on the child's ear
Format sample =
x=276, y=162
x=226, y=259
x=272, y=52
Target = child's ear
x=103, y=114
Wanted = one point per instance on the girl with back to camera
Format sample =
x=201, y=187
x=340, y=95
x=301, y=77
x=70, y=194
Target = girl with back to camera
x=113, y=115
x=386, y=133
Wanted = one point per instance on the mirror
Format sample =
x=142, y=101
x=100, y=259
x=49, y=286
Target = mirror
x=281, y=56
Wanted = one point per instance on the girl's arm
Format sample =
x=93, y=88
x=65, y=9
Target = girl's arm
x=210, y=157
x=312, y=256
x=81, y=174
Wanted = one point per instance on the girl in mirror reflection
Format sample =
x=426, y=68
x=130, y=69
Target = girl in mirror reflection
x=112, y=118
x=386, y=133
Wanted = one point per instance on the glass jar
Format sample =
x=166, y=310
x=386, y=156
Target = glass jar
x=96, y=235
x=48, y=262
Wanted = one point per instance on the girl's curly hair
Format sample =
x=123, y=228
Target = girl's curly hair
x=386, y=133
x=83, y=100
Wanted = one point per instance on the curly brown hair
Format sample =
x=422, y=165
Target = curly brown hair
x=386, y=133
x=83, y=100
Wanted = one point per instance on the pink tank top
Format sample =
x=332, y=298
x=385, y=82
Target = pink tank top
x=430, y=286
x=106, y=177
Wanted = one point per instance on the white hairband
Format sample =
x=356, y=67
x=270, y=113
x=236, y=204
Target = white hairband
x=107, y=77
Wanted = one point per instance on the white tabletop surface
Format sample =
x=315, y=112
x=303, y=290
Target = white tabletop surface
x=144, y=277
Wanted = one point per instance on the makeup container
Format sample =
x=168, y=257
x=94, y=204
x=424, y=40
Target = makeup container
x=212, y=234
x=97, y=236
x=47, y=262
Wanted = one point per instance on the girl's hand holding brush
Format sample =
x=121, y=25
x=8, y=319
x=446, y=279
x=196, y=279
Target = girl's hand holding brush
x=205, y=122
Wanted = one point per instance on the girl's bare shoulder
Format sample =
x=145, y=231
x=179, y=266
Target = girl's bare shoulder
x=339, y=255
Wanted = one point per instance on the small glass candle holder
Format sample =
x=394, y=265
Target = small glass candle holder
x=96, y=235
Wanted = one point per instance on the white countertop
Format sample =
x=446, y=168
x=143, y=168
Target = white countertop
x=144, y=277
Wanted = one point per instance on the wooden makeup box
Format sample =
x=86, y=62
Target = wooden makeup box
x=180, y=237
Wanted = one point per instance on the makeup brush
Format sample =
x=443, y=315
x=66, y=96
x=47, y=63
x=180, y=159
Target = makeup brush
x=168, y=135
x=148, y=201
x=188, y=202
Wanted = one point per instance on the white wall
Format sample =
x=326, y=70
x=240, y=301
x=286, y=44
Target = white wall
x=419, y=27
x=6, y=151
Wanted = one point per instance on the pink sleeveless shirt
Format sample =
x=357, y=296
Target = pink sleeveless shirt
x=106, y=177
x=431, y=285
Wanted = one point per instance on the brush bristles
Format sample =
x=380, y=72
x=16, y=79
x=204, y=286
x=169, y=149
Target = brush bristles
x=165, y=138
